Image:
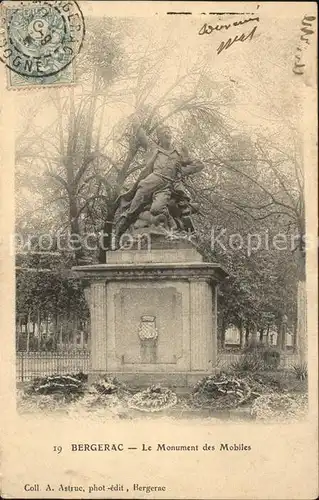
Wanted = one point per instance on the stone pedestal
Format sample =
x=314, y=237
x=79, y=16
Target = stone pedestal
x=153, y=316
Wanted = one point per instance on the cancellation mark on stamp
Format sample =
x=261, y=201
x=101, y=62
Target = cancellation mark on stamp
x=40, y=39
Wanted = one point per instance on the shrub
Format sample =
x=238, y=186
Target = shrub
x=301, y=371
x=249, y=362
x=256, y=359
x=279, y=381
x=271, y=358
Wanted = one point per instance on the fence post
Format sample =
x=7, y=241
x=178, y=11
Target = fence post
x=22, y=367
x=58, y=364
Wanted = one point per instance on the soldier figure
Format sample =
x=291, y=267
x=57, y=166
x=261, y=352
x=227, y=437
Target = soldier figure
x=165, y=170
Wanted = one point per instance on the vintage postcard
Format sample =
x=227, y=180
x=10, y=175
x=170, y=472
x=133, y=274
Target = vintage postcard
x=158, y=270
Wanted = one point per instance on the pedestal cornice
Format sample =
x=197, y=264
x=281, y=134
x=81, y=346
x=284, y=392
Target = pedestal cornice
x=152, y=271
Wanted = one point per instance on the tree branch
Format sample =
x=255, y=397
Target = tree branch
x=244, y=174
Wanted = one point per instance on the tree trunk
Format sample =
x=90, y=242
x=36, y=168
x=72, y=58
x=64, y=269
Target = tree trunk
x=107, y=234
x=279, y=334
x=75, y=227
x=301, y=334
x=61, y=336
x=19, y=334
x=82, y=339
x=74, y=330
x=247, y=332
x=267, y=336
x=221, y=333
x=39, y=328
x=253, y=341
x=223, y=338
x=284, y=336
x=28, y=333
x=241, y=335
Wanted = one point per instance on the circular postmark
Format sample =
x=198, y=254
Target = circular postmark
x=40, y=38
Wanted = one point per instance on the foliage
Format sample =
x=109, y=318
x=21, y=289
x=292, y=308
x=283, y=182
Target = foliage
x=48, y=293
x=301, y=371
x=257, y=358
x=45, y=282
x=269, y=355
x=283, y=381
x=154, y=398
x=249, y=362
x=271, y=358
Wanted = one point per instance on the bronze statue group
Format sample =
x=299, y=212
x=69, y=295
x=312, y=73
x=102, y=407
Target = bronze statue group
x=159, y=198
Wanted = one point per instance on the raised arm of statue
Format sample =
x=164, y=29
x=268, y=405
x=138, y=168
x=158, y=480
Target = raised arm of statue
x=145, y=141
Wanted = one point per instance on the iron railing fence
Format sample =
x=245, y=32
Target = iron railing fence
x=30, y=365
x=33, y=364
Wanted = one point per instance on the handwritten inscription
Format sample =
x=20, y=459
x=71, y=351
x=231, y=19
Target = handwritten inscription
x=238, y=38
x=306, y=31
x=208, y=29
